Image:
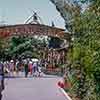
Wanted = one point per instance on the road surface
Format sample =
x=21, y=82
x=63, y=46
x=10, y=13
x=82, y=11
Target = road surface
x=44, y=88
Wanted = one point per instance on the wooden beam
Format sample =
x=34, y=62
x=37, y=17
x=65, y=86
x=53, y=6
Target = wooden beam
x=30, y=29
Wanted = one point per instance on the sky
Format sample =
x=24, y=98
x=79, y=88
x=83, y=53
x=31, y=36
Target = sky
x=17, y=11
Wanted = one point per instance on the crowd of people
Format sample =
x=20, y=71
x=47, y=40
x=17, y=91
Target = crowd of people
x=28, y=66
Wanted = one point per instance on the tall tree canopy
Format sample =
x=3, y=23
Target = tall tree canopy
x=22, y=46
x=85, y=54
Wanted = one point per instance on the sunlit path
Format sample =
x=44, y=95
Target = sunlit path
x=32, y=89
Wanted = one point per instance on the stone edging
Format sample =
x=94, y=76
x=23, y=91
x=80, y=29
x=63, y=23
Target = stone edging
x=64, y=93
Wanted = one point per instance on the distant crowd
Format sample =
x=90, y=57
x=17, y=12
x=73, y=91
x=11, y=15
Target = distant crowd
x=28, y=66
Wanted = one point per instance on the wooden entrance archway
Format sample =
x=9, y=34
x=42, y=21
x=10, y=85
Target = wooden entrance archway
x=30, y=29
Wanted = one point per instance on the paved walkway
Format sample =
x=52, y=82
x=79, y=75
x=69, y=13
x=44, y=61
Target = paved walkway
x=32, y=89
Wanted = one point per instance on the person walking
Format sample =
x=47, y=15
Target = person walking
x=26, y=68
x=1, y=79
x=30, y=67
x=11, y=68
x=35, y=69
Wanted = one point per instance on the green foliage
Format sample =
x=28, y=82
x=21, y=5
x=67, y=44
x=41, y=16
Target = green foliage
x=3, y=46
x=21, y=46
x=87, y=25
x=55, y=42
x=84, y=56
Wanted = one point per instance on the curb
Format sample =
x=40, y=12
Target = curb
x=64, y=93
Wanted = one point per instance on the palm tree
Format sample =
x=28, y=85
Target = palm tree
x=68, y=10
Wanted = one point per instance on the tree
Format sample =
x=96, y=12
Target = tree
x=25, y=46
x=68, y=9
x=84, y=56
x=3, y=46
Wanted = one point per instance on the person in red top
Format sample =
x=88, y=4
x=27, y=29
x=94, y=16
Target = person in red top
x=30, y=65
